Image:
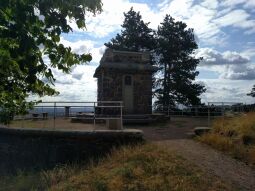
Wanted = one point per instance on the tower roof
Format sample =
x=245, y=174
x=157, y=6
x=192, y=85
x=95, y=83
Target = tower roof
x=125, y=60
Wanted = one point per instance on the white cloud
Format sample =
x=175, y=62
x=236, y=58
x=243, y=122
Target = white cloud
x=80, y=46
x=236, y=18
x=178, y=8
x=219, y=90
x=249, y=52
x=62, y=78
x=199, y=17
x=112, y=17
x=85, y=46
x=212, y=57
x=207, y=17
x=229, y=64
x=211, y=4
x=77, y=75
x=236, y=72
x=249, y=4
x=75, y=89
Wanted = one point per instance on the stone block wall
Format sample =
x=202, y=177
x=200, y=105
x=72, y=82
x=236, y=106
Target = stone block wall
x=110, y=88
x=35, y=149
x=143, y=93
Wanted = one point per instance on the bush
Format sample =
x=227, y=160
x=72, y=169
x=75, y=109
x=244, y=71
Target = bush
x=6, y=116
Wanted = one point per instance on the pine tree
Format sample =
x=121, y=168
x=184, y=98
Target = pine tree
x=252, y=93
x=135, y=36
x=175, y=47
x=171, y=49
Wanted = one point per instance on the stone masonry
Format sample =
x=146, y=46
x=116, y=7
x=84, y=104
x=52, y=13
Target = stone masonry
x=111, y=72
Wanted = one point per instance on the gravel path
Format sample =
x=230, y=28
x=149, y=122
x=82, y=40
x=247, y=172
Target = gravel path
x=212, y=161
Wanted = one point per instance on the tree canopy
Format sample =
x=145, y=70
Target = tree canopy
x=172, y=47
x=175, y=50
x=135, y=35
x=29, y=32
x=252, y=93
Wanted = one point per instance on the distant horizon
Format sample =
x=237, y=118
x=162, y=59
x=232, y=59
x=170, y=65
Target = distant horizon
x=84, y=102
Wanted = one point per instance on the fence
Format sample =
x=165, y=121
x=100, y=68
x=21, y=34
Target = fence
x=58, y=114
x=210, y=111
x=61, y=114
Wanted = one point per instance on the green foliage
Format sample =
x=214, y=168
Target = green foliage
x=176, y=45
x=252, y=93
x=135, y=36
x=30, y=31
x=171, y=48
x=5, y=116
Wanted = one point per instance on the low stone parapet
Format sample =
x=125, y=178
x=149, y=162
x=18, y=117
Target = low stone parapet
x=22, y=148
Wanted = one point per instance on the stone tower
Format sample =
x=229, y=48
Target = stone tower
x=126, y=76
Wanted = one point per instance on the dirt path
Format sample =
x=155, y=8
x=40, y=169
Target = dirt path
x=212, y=161
x=177, y=128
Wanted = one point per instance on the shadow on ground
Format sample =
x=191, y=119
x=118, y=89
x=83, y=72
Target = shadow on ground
x=176, y=128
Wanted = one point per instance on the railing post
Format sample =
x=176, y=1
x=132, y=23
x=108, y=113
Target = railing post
x=94, y=115
x=208, y=114
x=54, y=115
x=23, y=119
x=121, y=120
x=223, y=113
x=67, y=111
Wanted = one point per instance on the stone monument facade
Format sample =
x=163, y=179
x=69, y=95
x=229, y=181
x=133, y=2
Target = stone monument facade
x=126, y=76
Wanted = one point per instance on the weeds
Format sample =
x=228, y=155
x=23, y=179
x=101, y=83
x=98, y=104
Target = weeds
x=235, y=136
x=139, y=168
x=131, y=168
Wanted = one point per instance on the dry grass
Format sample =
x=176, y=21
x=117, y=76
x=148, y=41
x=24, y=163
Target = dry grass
x=144, y=167
x=141, y=168
x=234, y=135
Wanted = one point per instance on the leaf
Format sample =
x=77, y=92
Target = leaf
x=27, y=37
x=80, y=23
x=56, y=38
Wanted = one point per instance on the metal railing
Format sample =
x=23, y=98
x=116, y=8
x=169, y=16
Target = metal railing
x=210, y=111
x=70, y=109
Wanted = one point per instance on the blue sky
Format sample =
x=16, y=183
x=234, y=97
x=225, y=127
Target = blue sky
x=225, y=30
